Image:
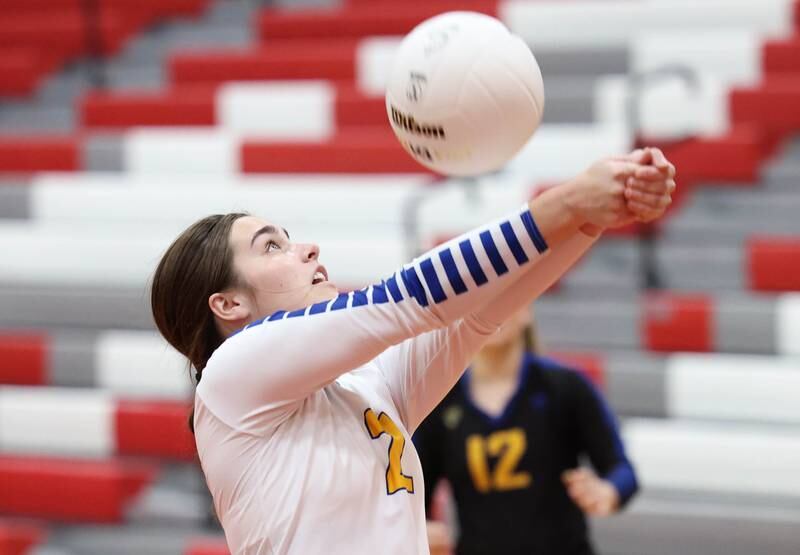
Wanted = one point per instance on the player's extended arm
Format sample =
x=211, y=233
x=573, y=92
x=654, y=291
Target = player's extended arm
x=289, y=355
x=422, y=370
x=277, y=362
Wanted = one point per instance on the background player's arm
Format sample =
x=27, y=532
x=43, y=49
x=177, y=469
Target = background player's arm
x=422, y=370
x=428, y=441
x=600, y=439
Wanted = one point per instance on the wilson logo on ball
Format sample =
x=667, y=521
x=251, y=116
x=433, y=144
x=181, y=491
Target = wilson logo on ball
x=416, y=86
x=408, y=123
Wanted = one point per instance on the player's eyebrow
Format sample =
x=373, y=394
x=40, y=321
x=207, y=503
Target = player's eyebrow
x=269, y=230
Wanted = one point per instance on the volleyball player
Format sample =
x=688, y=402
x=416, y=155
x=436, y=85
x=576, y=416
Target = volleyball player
x=306, y=397
x=509, y=438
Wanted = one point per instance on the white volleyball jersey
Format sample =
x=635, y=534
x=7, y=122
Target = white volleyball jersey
x=303, y=420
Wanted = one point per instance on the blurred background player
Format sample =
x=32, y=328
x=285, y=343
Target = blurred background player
x=509, y=439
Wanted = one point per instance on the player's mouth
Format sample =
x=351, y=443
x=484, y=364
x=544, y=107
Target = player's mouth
x=320, y=276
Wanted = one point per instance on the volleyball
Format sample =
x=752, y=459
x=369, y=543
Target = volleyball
x=464, y=94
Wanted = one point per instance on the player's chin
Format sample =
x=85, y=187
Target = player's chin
x=324, y=291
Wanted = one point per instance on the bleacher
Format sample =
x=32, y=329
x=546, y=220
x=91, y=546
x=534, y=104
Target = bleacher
x=117, y=131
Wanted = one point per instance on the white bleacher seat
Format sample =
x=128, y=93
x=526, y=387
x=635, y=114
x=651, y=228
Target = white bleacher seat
x=56, y=421
x=288, y=110
x=140, y=364
x=714, y=457
x=181, y=150
x=733, y=387
x=613, y=23
x=787, y=325
x=732, y=56
x=374, y=57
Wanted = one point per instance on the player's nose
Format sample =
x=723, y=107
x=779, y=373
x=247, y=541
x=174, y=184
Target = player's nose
x=309, y=252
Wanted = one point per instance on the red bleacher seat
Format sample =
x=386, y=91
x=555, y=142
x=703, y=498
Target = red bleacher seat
x=133, y=13
x=181, y=106
x=20, y=71
x=70, y=490
x=156, y=429
x=782, y=56
x=65, y=32
x=18, y=538
x=774, y=105
x=350, y=152
x=378, y=18
x=30, y=154
x=23, y=359
x=735, y=157
x=674, y=322
x=37, y=36
x=285, y=60
x=354, y=108
x=773, y=264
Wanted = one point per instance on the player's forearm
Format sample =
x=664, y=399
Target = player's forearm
x=623, y=478
x=556, y=214
x=537, y=279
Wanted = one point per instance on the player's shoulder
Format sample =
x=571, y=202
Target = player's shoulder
x=558, y=373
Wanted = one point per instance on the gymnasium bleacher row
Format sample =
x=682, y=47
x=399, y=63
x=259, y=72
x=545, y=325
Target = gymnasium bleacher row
x=95, y=457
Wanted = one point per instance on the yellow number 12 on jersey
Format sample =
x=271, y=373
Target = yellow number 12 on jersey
x=382, y=424
x=509, y=447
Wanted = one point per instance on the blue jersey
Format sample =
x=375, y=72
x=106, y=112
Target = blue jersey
x=505, y=471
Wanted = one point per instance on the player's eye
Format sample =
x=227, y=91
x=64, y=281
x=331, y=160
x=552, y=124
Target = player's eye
x=272, y=245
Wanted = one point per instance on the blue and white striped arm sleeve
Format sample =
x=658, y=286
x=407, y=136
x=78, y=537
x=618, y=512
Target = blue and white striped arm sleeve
x=462, y=274
x=449, y=280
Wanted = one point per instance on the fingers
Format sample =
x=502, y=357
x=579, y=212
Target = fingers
x=626, y=169
x=647, y=206
x=648, y=173
x=591, y=494
x=659, y=186
x=438, y=536
x=643, y=212
x=660, y=161
x=577, y=474
x=653, y=200
x=651, y=157
x=638, y=156
x=623, y=169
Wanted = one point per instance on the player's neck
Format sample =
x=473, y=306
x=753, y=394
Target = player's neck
x=498, y=363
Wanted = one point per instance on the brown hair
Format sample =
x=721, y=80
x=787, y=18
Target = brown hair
x=198, y=264
x=531, y=337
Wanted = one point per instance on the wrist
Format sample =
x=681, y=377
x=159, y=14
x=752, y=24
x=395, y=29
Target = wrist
x=575, y=204
x=613, y=495
x=557, y=213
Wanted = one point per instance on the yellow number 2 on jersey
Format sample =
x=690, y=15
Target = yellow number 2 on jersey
x=509, y=446
x=382, y=424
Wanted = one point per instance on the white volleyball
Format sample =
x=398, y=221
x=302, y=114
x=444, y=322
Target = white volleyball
x=464, y=94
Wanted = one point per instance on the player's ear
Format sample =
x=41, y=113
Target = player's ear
x=230, y=306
